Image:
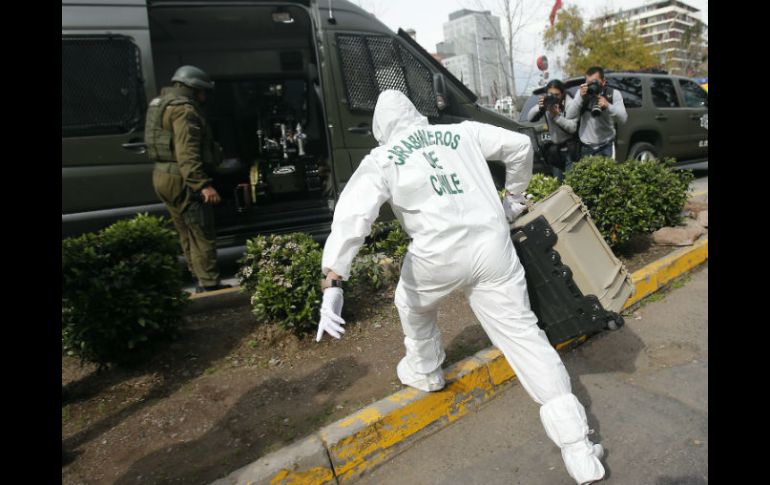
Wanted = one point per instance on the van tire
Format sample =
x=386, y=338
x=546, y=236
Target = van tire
x=643, y=151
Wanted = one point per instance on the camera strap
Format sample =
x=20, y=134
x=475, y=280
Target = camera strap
x=608, y=93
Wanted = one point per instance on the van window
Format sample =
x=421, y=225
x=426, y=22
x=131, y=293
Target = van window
x=694, y=95
x=102, y=89
x=663, y=93
x=374, y=63
x=631, y=89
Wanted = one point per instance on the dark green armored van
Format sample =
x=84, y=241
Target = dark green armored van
x=296, y=83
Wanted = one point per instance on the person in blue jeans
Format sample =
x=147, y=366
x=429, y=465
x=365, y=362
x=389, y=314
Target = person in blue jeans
x=597, y=107
x=559, y=153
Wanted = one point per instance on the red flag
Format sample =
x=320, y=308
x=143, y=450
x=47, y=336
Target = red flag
x=556, y=7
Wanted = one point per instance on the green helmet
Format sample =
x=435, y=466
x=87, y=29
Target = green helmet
x=193, y=77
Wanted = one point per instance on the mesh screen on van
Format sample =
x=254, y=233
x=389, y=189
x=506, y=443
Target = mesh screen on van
x=372, y=64
x=101, y=89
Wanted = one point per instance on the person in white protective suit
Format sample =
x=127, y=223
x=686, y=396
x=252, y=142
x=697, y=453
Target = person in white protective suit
x=438, y=183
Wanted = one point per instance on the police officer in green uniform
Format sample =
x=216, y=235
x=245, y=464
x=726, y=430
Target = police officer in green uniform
x=180, y=142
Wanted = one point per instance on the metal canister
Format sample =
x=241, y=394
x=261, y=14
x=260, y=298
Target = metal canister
x=254, y=179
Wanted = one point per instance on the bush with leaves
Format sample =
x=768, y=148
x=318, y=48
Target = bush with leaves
x=628, y=198
x=371, y=271
x=378, y=264
x=121, y=290
x=541, y=186
x=661, y=190
x=391, y=239
x=282, y=273
x=606, y=190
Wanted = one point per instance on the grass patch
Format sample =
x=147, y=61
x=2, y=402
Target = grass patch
x=662, y=292
x=680, y=282
x=657, y=296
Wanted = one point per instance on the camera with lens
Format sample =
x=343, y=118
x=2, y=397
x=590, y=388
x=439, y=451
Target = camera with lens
x=591, y=99
x=549, y=100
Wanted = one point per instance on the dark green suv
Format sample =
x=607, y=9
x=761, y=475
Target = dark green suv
x=667, y=117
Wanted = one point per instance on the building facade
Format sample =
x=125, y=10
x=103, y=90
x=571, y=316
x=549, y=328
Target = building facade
x=664, y=25
x=474, y=51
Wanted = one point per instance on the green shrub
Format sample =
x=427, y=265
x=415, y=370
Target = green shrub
x=378, y=263
x=631, y=197
x=391, y=240
x=121, y=290
x=605, y=189
x=371, y=271
x=661, y=190
x=282, y=275
x=541, y=186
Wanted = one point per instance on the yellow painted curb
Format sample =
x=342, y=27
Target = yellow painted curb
x=655, y=275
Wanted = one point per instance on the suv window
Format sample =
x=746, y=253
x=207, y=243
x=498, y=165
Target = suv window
x=102, y=88
x=374, y=63
x=663, y=93
x=694, y=95
x=631, y=87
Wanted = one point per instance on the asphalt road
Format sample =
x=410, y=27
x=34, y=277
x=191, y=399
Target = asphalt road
x=645, y=388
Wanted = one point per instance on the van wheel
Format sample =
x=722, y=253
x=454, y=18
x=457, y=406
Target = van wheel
x=643, y=152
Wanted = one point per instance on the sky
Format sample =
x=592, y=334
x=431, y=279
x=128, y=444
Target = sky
x=428, y=16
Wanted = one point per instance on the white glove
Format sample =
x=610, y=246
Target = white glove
x=514, y=206
x=331, y=309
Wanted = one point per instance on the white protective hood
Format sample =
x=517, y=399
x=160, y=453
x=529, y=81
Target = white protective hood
x=394, y=113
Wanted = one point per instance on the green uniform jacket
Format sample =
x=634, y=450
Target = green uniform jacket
x=177, y=131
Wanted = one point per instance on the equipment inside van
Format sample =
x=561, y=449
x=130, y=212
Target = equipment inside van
x=265, y=110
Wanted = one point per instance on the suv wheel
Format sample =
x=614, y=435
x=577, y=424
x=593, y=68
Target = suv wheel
x=643, y=151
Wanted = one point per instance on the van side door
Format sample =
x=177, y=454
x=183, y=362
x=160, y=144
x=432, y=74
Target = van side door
x=107, y=80
x=370, y=63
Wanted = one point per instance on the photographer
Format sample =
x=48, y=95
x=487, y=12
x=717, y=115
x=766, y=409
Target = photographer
x=597, y=106
x=558, y=154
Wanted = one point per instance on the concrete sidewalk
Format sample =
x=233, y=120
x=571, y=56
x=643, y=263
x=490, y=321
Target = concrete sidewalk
x=645, y=388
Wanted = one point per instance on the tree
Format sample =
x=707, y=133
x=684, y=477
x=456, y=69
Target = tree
x=515, y=17
x=617, y=47
x=694, y=48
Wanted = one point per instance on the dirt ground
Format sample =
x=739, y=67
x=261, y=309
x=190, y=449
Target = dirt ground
x=641, y=251
x=231, y=390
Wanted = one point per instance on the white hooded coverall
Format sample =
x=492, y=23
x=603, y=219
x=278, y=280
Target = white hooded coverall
x=438, y=183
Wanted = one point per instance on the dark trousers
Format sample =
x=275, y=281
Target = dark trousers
x=560, y=158
x=563, y=160
x=194, y=222
x=605, y=150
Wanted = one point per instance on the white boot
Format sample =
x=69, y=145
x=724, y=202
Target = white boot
x=564, y=419
x=424, y=382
